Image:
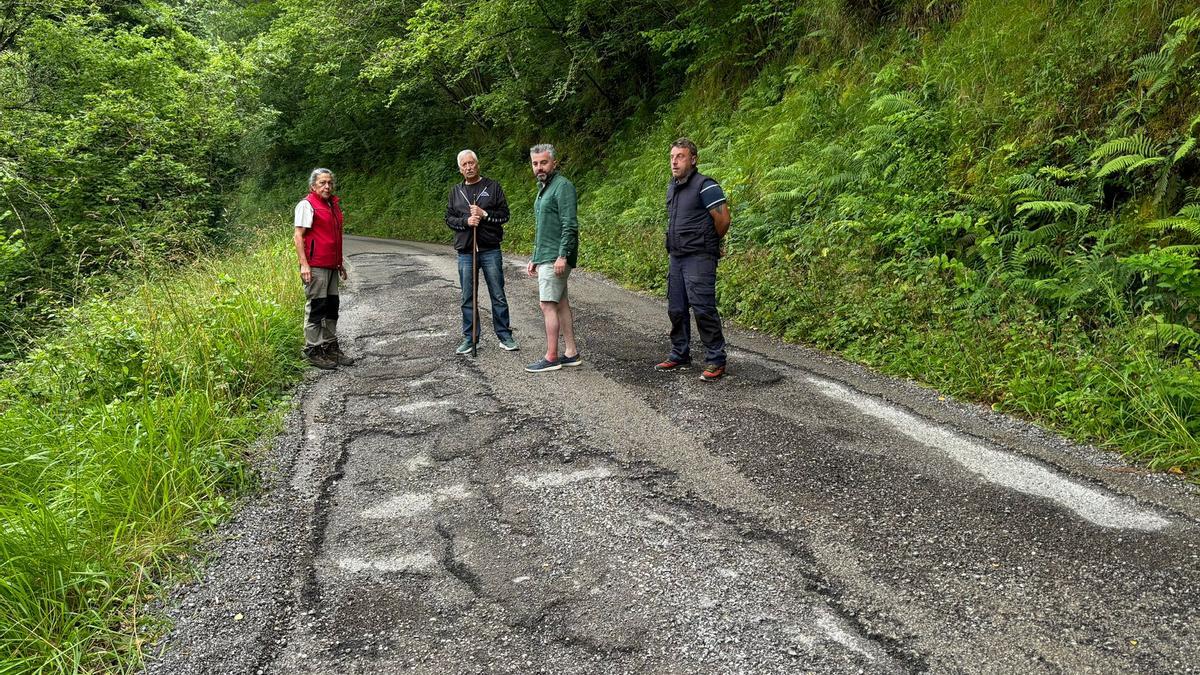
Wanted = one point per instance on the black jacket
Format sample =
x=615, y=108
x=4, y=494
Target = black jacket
x=491, y=229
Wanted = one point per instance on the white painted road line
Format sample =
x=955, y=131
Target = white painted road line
x=1002, y=468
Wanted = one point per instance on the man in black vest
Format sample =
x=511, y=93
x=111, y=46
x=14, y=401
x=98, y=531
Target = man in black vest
x=697, y=219
x=478, y=208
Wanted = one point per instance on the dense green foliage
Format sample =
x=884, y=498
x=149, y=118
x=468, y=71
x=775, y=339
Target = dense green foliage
x=997, y=198
x=120, y=441
x=120, y=132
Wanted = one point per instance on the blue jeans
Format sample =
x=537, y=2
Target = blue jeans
x=491, y=264
x=692, y=285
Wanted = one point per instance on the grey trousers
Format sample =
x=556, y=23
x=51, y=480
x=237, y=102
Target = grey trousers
x=320, y=308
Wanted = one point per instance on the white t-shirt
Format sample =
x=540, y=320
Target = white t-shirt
x=304, y=214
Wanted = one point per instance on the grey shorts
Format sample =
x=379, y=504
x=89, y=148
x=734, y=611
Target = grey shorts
x=551, y=288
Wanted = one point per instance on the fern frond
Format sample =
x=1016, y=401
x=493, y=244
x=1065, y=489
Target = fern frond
x=1138, y=144
x=838, y=181
x=1022, y=181
x=1145, y=162
x=1183, y=150
x=1053, y=208
x=787, y=197
x=1048, y=232
x=1181, y=29
x=1119, y=165
x=1188, y=220
x=1039, y=255
x=1159, y=85
x=1164, y=335
x=1150, y=67
x=890, y=104
x=791, y=173
x=1185, y=249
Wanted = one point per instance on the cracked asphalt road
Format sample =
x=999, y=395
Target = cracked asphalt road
x=431, y=513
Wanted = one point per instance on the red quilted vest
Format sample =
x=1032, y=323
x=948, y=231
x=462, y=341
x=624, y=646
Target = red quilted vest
x=323, y=241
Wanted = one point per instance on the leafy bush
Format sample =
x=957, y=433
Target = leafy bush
x=120, y=134
x=121, y=440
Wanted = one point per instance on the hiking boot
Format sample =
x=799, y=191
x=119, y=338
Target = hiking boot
x=542, y=365
x=509, y=344
x=464, y=347
x=570, y=361
x=712, y=372
x=672, y=364
x=334, y=353
x=317, y=358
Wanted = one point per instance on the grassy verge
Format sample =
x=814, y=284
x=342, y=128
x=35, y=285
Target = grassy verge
x=121, y=441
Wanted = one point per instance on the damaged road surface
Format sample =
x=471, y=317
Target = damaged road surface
x=432, y=513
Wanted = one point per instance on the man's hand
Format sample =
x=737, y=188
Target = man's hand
x=342, y=273
x=473, y=221
x=530, y=269
x=560, y=266
x=478, y=212
x=305, y=273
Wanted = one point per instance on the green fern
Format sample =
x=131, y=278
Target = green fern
x=1137, y=145
x=1187, y=220
x=1163, y=335
x=890, y=104
x=1182, y=29
x=1054, y=209
x=1184, y=149
x=1164, y=72
x=1138, y=153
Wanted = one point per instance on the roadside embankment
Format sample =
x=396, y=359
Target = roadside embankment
x=124, y=438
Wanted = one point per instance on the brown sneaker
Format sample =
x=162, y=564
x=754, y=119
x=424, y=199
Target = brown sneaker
x=334, y=353
x=316, y=357
x=712, y=372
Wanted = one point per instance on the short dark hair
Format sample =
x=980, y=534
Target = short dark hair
x=685, y=142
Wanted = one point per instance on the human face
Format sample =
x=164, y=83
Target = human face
x=469, y=168
x=682, y=162
x=543, y=165
x=323, y=186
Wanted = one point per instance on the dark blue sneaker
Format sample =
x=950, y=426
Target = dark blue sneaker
x=570, y=361
x=542, y=365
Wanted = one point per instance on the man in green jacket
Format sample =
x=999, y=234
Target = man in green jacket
x=555, y=250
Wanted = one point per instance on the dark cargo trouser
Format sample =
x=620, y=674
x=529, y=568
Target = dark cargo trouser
x=321, y=308
x=692, y=284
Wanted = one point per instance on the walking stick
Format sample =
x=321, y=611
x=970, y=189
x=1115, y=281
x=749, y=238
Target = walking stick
x=474, y=291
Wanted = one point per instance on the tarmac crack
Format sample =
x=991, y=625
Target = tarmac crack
x=455, y=567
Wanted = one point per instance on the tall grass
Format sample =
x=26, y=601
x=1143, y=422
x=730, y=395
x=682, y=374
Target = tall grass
x=122, y=439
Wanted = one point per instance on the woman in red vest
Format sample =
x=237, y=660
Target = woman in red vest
x=318, y=239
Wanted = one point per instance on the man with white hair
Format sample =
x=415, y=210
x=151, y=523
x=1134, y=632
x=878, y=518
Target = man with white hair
x=477, y=211
x=318, y=239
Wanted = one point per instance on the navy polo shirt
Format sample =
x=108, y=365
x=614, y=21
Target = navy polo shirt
x=690, y=227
